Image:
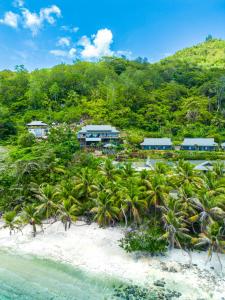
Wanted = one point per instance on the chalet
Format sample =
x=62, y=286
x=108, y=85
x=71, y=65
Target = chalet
x=38, y=128
x=98, y=134
x=200, y=144
x=157, y=144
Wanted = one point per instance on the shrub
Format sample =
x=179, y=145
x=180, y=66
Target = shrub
x=147, y=240
x=26, y=140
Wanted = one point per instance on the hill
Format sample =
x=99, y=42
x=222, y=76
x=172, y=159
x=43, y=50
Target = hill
x=210, y=54
x=182, y=95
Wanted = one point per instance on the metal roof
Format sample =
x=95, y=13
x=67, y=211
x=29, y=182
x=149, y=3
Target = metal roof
x=157, y=142
x=199, y=142
x=98, y=128
x=109, y=146
x=37, y=123
x=205, y=166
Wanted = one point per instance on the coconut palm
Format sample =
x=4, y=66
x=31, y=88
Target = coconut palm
x=131, y=202
x=105, y=210
x=29, y=215
x=184, y=173
x=108, y=170
x=11, y=221
x=213, y=239
x=67, y=211
x=175, y=226
x=84, y=184
x=48, y=197
x=206, y=213
x=155, y=190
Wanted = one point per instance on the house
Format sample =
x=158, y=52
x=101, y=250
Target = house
x=38, y=128
x=200, y=144
x=98, y=134
x=223, y=146
x=157, y=144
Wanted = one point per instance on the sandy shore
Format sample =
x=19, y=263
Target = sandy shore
x=96, y=250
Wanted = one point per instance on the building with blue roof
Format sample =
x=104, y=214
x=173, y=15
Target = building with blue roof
x=200, y=144
x=157, y=144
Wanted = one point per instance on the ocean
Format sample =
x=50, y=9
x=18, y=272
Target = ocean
x=29, y=277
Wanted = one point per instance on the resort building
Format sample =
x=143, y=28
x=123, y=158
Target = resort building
x=157, y=144
x=91, y=135
x=200, y=144
x=38, y=128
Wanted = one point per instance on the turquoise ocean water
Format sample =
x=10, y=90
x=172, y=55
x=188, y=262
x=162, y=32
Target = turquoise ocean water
x=32, y=278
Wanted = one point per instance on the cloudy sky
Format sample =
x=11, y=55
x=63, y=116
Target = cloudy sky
x=42, y=33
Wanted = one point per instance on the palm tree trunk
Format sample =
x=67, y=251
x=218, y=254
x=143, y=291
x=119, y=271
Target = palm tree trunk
x=125, y=217
x=34, y=229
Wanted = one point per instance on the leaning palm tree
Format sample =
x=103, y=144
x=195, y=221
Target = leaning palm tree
x=11, y=221
x=213, y=240
x=174, y=223
x=206, y=213
x=67, y=211
x=105, y=210
x=30, y=215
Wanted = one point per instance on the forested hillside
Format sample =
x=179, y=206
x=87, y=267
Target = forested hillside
x=182, y=95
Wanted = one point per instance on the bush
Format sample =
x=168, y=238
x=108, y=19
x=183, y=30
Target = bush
x=148, y=241
x=26, y=140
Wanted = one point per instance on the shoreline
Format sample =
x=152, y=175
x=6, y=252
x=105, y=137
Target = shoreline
x=96, y=250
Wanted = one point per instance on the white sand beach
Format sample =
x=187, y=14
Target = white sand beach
x=97, y=250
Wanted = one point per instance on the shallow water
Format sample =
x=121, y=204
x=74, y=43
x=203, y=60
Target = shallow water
x=28, y=277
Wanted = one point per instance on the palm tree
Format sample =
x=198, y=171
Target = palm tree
x=105, y=210
x=213, y=239
x=67, y=212
x=219, y=169
x=29, y=215
x=174, y=223
x=48, y=196
x=84, y=184
x=131, y=202
x=155, y=190
x=11, y=221
x=185, y=174
x=206, y=213
x=108, y=170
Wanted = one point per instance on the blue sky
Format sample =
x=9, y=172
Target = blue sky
x=42, y=33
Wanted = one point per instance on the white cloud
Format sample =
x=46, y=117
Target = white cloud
x=18, y=3
x=99, y=46
x=64, y=41
x=66, y=54
x=34, y=21
x=70, y=29
x=126, y=53
x=46, y=13
x=11, y=19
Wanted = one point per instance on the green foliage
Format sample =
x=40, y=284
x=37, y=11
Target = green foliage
x=182, y=95
x=26, y=140
x=145, y=240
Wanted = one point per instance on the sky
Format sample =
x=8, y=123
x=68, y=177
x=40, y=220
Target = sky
x=43, y=33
